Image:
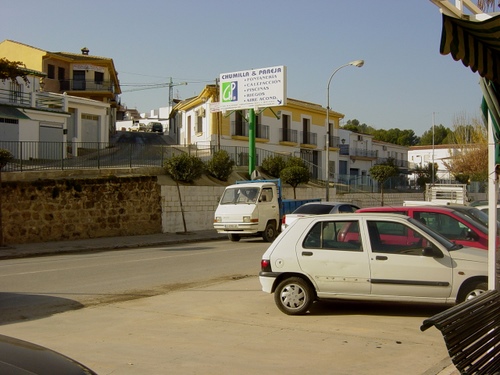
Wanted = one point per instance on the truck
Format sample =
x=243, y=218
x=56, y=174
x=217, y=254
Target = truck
x=254, y=208
x=443, y=194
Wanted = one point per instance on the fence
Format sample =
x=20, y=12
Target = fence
x=36, y=156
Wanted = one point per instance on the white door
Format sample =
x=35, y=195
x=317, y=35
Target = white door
x=337, y=266
x=398, y=267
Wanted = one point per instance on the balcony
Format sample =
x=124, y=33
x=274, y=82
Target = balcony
x=36, y=100
x=403, y=164
x=308, y=139
x=360, y=153
x=89, y=85
x=288, y=135
x=241, y=129
x=334, y=141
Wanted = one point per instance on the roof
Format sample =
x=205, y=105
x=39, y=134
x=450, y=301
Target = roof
x=12, y=112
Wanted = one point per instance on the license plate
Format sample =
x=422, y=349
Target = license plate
x=231, y=226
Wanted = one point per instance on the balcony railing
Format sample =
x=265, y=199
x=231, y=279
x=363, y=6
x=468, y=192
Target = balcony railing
x=88, y=85
x=37, y=100
x=288, y=135
x=308, y=138
x=397, y=162
x=241, y=129
x=334, y=141
x=363, y=153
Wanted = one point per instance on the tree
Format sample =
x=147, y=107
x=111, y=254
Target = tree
x=440, y=135
x=424, y=175
x=469, y=160
x=294, y=176
x=10, y=70
x=381, y=173
x=5, y=157
x=273, y=165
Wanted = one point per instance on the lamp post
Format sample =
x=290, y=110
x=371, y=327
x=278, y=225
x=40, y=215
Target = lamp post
x=356, y=63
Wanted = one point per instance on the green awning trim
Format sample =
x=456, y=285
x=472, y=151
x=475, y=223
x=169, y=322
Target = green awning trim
x=12, y=112
x=476, y=44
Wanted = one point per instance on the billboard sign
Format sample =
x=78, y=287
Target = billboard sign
x=256, y=88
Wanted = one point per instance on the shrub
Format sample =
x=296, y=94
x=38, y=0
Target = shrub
x=184, y=167
x=220, y=166
x=295, y=162
x=5, y=157
x=273, y=165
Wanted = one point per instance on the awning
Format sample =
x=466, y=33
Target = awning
x=12, y=112
x=476, y=44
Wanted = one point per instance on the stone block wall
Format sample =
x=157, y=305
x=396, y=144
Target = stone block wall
x=55, y=210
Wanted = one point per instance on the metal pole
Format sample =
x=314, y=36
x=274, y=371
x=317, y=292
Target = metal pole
x=251, y=141
x=359, y=64
x=432, y=178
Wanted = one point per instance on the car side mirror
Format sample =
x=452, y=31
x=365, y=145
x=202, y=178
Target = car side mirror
x=432, y=252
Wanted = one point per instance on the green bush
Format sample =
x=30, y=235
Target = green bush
x=220, y=166
x=5, y=157
x=295, y=162
x=184, y=167
x=273, y=165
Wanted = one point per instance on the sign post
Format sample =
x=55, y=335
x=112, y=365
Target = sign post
x=252, y=90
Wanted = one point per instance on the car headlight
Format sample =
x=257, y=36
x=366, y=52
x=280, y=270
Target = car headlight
x=218, y=219
x=246, y=219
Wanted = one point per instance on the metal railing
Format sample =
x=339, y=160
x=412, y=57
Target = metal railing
x=38, y=100
x=85, y=85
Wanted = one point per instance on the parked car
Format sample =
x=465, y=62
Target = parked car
x=485, y=208
x=318, y=208
x=22, y=357
x=157, y=127
x=460, y=224
x=368, y=256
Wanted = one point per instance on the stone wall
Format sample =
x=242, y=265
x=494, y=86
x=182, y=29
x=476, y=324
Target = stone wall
x=69, y=209
x=40, y=208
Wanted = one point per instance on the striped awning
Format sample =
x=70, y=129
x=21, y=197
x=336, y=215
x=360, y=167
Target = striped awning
x=476, y=44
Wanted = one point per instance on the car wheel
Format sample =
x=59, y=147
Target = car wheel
x=293, y=296
x=269, y=233
x=472, y=290
x=234, y=237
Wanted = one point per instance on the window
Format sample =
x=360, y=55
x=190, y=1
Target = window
x=394, y=238
x=61, y=72
x=199, y=124
x=51, y=71
x=305, y=130
x=98, y=77
x=285, y=123
x=334, y=235
x=266, y=195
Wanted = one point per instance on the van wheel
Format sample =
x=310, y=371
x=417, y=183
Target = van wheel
x=472, y=290
x=293, y=296
x=234, y=237
x=269, y=233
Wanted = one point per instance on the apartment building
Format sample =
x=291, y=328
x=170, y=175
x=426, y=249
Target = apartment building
x=79, y=75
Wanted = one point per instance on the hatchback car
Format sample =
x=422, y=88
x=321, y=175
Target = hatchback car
x=318, y=208
x=463, y=225
x=376, y=257
x=157, y=127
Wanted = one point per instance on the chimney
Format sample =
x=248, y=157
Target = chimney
x=85, y=51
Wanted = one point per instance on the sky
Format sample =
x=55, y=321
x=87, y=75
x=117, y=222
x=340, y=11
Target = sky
x=405, y=82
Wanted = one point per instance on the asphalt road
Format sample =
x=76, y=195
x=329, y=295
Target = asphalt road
x=213, y=320
x=37, y=287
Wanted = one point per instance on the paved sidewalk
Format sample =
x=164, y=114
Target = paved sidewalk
x=106, y=243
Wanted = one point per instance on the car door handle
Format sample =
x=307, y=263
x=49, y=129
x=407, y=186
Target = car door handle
x=307, y=253
x=381, y=257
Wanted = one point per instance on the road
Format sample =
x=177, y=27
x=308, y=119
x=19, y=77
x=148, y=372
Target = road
x=38, y=287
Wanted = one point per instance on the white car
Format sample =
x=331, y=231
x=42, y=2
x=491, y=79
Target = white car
x=368, y=256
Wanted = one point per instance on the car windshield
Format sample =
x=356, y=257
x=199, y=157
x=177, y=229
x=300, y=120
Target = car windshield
x=314, y=209
x=450, y=246
x=240, y=195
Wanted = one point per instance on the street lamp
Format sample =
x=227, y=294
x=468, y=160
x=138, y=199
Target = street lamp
x=359, y=64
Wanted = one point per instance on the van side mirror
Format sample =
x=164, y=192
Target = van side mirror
x=472, y=235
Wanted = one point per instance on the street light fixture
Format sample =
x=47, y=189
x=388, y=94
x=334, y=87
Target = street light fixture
x=358, y=64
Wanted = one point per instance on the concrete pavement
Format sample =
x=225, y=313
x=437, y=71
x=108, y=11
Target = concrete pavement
x=46, y=333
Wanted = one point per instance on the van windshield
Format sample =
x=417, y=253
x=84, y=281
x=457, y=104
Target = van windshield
x=240, y=195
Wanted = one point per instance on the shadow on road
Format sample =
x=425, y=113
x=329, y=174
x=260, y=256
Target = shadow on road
x=16, y=307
